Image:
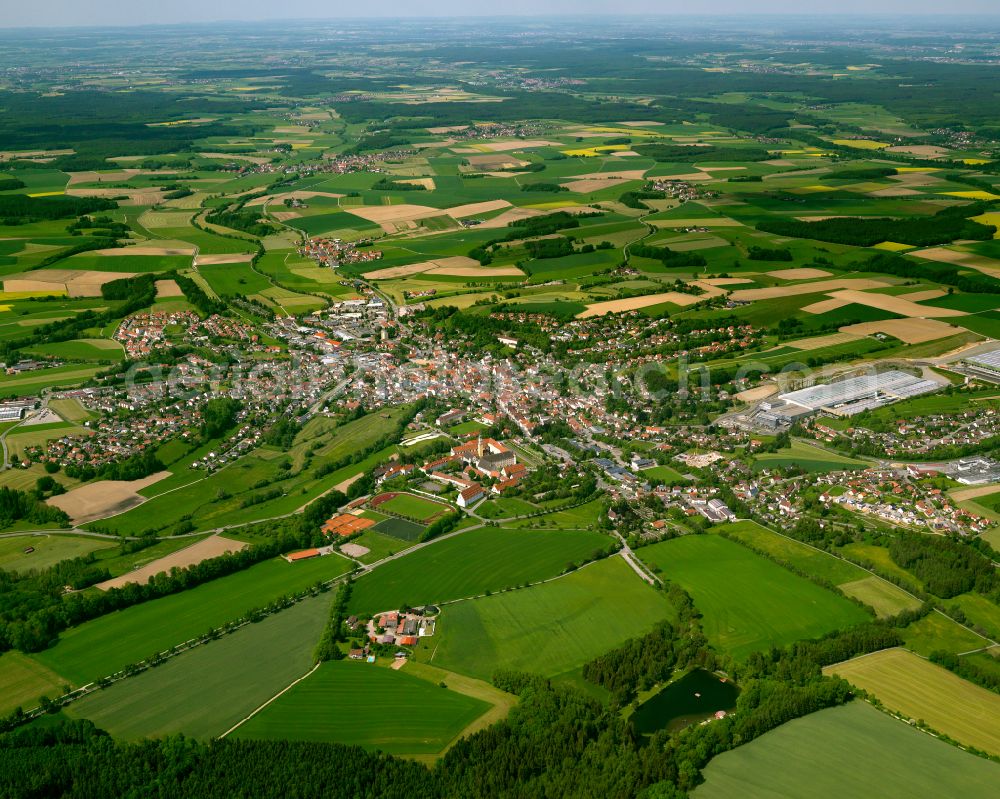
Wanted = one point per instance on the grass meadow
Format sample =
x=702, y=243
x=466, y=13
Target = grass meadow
x=367, y=705
x=486, y=559
x=748, y=602
x=204, y=692
x=107, y=644
x=550, y=629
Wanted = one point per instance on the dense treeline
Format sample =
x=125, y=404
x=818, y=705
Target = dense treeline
x=197, y=296
x=946, y=567
x=529, y=228
x=134, y=467
x=755, y=253
x=333, y=633
x=949, y=275
x=865, y=173
x=943, y=227
x=246, y=221
x=669, y=258
x=967, y=669
x=18, y=505
x=218, y=415
x=11, y=184
x=682, y=153
x=641, y=663
x=20, y=209
x=479, y=333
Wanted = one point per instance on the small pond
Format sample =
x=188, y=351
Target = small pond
x=695, y=697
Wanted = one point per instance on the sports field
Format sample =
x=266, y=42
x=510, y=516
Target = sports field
x=550, y=629
x=206, y=691
x=105, y=645
x=748, y=602
x=917, y=688
x=487, y=559
x=367, y=705
x=854, y=750
x=413, y=507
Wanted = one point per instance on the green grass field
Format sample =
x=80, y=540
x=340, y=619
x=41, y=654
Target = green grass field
x=853, y=750
x=49, y=550
x=583, y=517
x=748, y=602
x=206, y=691
x=107, y=644
x=24, y=681
x=367, y=705
x=883, y=597
x=917, y=688
x=413, y=507
x=808, y=458
x=936, y=631
x=550, y=629
x=487, y=559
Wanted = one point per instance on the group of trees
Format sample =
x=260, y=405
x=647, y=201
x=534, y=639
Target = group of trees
x=945, y=566
x=20, y=209
x=669, y=258
x=685, y=153
x=529, y=228
x=134, y=467
x=756, y=253
x=333, y=634
x=943, y=227
x=18, y=505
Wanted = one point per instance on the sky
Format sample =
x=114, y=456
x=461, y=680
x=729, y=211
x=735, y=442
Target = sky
x=64, y=13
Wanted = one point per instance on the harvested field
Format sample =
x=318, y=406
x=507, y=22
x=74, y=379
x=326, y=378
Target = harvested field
x=617, y=306
x=988, y=266
x=802, y=273
x=492, y=162
x=594, y=184
x=897, y=305
x=971, y=493
x=253, y=159
x=908, y=684
x=893, y=192
x=453, y=262
x=168, y=288
x=106, y=498
x=133, y=196
x=226, y=258
x=725, y=281
x=818, y=342
x=395, y=214
x=507, y=146
x=477, y=271
x=471, y=209
x=923, y=150
x=92, y=176
x=912, y=331
x=775, y=292
x=922, y=296
x=75, y=282
x=824, y=305
x=626, y=174
x=292, y=195
x=427, y=183
x=210, y=547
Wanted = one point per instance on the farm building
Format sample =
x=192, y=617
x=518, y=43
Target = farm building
x=305, y=554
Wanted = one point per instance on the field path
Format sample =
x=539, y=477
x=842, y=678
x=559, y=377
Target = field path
x=284, y=690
